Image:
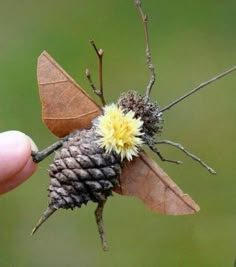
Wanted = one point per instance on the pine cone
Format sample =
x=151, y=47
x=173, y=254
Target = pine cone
x=81, y=172
x=143, y=108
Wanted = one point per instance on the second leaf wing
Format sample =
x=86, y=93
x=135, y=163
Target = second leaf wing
x=144, y=179
x=65, y=105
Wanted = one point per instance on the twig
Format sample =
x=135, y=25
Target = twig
x=151, y=143
x=98, y=92
x=88, y=75
x=47, y=213
x=100, y=224
x=179, y=146
x=148, y=51
x=41, y=155
x=198, y=88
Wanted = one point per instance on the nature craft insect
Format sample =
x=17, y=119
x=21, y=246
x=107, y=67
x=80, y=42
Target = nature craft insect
x=101, y=147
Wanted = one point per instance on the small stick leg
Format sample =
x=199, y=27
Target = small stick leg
x=41, y=155
x=152, y=146
x=148, y=50
x=95, y=90
x=100, y=224
x=98, y=92
x=47, y=213
x=179, y=146
x=200, y=86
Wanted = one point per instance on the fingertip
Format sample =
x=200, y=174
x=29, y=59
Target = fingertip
x=20, y=177
x=16, y=164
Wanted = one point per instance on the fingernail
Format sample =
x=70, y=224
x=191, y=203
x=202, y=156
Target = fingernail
x=34, y=147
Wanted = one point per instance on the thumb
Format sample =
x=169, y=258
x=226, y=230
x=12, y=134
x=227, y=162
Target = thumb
x=16, y=164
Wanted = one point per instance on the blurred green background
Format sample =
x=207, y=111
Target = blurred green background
x=191, y=41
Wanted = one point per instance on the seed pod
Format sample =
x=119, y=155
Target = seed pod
x=148, y=111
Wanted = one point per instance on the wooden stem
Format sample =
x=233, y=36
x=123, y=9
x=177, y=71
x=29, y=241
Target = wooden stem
x=41, y=155
x=179, y=146
x=98, y=92
x=100, y=224
x=148, y=50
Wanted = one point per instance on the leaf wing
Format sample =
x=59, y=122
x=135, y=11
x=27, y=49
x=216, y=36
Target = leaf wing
x=65, y=105
x=144, y=179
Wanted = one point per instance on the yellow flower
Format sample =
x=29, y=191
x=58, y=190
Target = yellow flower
x=119, y=132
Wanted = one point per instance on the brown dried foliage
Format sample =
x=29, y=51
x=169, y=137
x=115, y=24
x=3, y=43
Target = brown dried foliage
x=144, y=179
x=65, y=105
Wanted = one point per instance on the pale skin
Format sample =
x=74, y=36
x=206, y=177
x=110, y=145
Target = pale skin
x=16, y=164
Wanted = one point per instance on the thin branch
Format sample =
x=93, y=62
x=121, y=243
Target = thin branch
x=198, y=88
x=98, y=92
x=95, y=90
x=152, y=145
x=47, y=213
x=148, y=51
x=41, y=155
x=100, y=70
x=179, y=146
x=100, y=224
x=95, y=48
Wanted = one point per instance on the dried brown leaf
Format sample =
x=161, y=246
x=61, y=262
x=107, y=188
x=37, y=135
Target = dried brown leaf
x=65, y=105
x=144, y=179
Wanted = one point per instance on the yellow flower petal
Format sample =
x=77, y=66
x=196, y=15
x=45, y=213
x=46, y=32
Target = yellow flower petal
x=119, y=132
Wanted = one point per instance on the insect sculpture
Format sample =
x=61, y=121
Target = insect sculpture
x=101, y=146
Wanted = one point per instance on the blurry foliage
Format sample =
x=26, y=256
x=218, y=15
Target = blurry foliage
x=191, y=41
